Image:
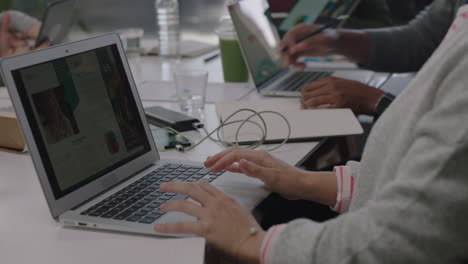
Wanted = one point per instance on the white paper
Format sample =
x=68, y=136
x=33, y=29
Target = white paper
x=305, y=124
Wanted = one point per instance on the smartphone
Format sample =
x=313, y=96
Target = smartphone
x=166, y=139
x=163, y=117
x=56, y=22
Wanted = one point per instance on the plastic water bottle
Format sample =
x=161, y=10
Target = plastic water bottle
x=167, y=16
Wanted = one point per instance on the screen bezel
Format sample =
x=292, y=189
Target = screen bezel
x=75, y=198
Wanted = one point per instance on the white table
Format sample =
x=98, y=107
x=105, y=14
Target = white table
x=28, y=234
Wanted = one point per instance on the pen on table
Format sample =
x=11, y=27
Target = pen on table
x=318, y=31
x=212, y=57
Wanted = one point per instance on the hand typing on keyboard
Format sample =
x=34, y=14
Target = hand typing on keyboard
x=221, y=220
x=140, y=201
x=333, y=92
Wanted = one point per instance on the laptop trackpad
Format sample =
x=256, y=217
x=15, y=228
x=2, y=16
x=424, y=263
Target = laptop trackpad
x=173, y=217
x=247, y=191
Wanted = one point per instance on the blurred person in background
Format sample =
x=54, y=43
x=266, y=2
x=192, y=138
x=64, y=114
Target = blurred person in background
x=394, y=49
x=369, y=13
x=405, y=202
x=16, y=29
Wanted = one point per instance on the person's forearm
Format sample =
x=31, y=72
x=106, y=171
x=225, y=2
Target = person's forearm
x=249, y=252
x=354, y=44
x=318, y=187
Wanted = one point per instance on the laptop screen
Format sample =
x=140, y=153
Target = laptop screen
x=83, y=115
x=258, y=38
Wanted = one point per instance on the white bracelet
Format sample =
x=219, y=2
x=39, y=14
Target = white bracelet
x=253, y=231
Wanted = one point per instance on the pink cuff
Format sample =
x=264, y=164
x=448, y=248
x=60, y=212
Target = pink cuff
x=345, y=181
x=268, y=243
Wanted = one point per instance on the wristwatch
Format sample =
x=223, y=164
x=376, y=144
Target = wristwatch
x=383, y=104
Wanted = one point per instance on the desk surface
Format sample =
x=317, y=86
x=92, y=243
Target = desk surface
x=26, y=224
x=28, y=234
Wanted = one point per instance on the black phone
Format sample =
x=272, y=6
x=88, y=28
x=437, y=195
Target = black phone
x=163, y=117
x=56, y=22
x=166, y=139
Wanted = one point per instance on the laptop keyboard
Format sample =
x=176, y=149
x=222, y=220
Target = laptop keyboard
x=140, y=201
x=296, y=81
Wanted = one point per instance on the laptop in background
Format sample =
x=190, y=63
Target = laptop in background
x=259, y=42
x=56, y=22
x=91, y=144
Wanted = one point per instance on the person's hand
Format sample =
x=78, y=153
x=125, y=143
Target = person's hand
x=277, y=175
x=316, y=46
x=33, y=32
x=333, y=92
x=5, y=36
x=222, y=221
x=12, y=44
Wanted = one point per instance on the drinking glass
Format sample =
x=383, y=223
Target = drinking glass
x=191, y=85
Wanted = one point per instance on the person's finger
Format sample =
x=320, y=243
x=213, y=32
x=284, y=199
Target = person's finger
x=318, y=101
x=212, y=160
x=187, y=188
x=253, y=170
x=44, y=45
x=211, y=189
x=322, y=91
x=20, y=36
x=300, y=48
x=183, y=206
x=236, y=156
x=21, y=50
x=327, y=106
x=179, y=228
x=300, y=66
x=292, y=60
x=16, y=43
x=309, y=87
x=5, y=28
x=33, y=32
x=295, y=34
x=287, y=60
x=234, y=168
x=7, y=52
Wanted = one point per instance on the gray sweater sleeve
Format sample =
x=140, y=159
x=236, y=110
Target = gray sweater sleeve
x=355, y=167
x=407, y=48
x=19, y=21
x=420, y=216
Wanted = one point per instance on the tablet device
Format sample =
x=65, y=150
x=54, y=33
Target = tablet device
x=317, y=12
x=56, y=22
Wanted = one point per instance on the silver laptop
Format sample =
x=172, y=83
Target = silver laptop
x=259, y=42
x=90, y=142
